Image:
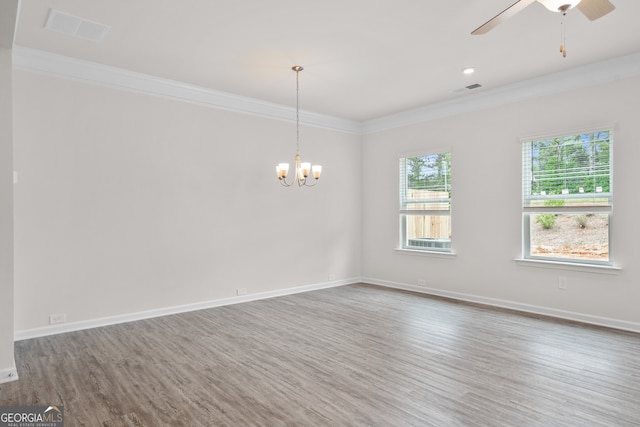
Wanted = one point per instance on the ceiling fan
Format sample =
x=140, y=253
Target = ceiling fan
x=592, y=9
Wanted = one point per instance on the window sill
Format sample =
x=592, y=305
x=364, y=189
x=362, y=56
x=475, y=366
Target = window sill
x=415, y=252
x=558, y=265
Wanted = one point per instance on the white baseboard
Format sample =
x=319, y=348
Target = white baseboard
x=527, y=308
x=113, y=320
x=8, y=375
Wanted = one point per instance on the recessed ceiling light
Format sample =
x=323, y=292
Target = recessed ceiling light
x=468, y=70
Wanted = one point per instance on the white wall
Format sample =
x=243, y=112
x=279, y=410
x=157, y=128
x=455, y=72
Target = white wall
x=6, y=218
x=8, y=16
x=128, y=202
x=486, y=218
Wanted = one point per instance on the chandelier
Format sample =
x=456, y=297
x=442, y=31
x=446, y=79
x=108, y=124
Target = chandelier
x=303, y=169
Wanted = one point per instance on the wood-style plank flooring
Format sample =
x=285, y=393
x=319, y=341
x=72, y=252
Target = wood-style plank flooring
x=355, y=355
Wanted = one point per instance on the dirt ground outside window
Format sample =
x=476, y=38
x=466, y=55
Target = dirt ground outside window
x=572, y=236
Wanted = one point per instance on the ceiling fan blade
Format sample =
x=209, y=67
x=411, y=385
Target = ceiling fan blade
x=503, y=16
x=594, y=9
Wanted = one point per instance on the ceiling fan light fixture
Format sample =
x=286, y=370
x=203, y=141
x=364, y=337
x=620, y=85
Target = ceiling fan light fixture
x=559, y=5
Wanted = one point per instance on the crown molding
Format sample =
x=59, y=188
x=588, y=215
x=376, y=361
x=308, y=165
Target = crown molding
x=575, y=78
x=47, y=63
x=60, y=66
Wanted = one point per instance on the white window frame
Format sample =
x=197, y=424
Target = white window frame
x=527, y=197
x=437, y=246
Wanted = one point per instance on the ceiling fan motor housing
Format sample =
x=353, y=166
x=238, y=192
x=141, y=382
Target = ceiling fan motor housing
x=559, y=5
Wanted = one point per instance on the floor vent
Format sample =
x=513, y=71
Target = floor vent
x=430, y=243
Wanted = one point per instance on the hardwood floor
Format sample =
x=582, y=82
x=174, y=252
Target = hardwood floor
x=356, y=355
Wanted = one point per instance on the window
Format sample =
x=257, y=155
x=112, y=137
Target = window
x=567, y=200
x=425, y=202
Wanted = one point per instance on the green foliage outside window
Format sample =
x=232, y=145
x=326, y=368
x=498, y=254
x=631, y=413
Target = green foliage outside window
x=546, y=220
x=432, y=172
x=571, y=164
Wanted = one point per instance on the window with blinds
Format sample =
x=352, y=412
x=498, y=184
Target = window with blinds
x=567, y=197
x=425, y=202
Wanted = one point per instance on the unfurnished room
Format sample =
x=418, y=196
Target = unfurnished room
x=294, y=213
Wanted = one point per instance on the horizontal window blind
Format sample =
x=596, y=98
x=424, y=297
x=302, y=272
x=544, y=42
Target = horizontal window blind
x=567, y=173
x=425, y=184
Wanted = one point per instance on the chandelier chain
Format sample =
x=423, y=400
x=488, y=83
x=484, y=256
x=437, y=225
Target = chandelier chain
x=297, y=111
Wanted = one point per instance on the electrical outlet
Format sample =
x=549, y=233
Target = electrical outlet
x=241, y=291
x=562, y=283
x=332, y=277
x=422, y=282
x=57, y=318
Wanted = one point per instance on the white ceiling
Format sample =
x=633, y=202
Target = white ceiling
x=363, y=59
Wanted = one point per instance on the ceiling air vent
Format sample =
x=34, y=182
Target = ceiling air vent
x=467, y=88
x=75, y=26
